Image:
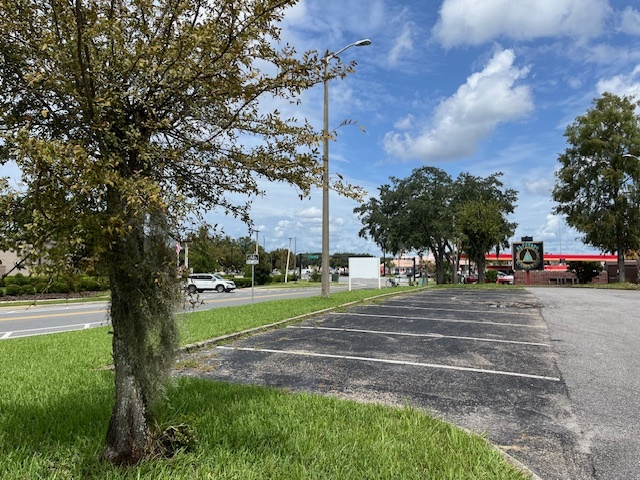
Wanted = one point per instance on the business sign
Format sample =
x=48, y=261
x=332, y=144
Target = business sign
x=528, y=255
x=252, y=259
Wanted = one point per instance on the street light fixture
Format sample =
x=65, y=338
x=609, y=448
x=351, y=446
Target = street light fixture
x=325, y=166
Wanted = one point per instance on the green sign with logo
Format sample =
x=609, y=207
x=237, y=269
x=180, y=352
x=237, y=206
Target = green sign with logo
x=528, y=255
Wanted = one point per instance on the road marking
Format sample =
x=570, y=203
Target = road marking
x=394, y=362
x=429, y=335
x=447, y=320
x=462, y=310
x=46, y=315
x=56, y=327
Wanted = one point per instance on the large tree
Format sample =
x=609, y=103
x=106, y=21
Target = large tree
x=597, y=186
x=481, y=207
x=124, y=115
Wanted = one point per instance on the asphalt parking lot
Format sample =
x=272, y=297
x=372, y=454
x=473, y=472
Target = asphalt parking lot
x=482, y=359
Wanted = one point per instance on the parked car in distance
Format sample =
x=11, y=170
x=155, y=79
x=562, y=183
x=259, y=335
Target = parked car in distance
x=200, y=282
x=471, y=279
x=505, y=278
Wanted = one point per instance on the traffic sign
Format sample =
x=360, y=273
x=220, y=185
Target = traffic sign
x=312, y=257
x=252, y=259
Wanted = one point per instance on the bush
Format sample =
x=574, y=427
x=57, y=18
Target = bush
x=13, y=289
x=315, y=275
x=89, y=284
x=242, y=282
x=585, y=271
x=41, y=286
x=491, y=276
x=27, y=290
x=60, y=287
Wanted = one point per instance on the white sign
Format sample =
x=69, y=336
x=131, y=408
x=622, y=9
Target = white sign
x=252, y=259
x=364, y=268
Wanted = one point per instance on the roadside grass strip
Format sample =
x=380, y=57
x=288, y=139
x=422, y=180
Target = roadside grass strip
x=57, y=394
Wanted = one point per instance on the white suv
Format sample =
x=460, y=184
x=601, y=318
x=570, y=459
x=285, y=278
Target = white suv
x=199, y=282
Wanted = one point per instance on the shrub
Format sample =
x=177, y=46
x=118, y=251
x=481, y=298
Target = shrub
x=20, y=279
x=41, y=286
x=315, y=275
x=27, y=290
x=60, y=287
x=242, y=282
x=585, y=271
x=89, y=284
x=491, y=276
x=13, y=289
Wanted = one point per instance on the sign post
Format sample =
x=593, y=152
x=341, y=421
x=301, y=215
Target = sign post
x=253, y=260
x=528, y=255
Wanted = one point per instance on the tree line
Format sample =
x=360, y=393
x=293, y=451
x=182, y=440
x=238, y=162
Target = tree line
x=429, y=211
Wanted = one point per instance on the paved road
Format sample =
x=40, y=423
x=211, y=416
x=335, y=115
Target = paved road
x=44, y=318
x=596, y=335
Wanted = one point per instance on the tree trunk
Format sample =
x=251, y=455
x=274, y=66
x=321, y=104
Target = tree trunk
x=128, y=438
x=480, y=262
x=622, y=274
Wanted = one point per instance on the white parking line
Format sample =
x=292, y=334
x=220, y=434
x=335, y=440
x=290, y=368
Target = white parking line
x=447, y=320
x=429, y=335
x=461, y=310
x=395, y=362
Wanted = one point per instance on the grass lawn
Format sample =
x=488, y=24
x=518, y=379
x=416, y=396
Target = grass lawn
x=56, y=397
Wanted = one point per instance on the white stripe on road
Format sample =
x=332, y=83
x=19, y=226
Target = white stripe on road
x=395, y=362
x=429, y=335
x=42, y=330
x=446, y=320
x=461, y=310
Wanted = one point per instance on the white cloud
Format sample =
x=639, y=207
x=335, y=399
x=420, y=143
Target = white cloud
x=630, y=21
x=473, y=22
x=623, y=84
x=487, y=99
x=404, y=123
x=403, y=43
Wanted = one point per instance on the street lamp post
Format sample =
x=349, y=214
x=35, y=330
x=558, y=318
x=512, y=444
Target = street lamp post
x=325, y=166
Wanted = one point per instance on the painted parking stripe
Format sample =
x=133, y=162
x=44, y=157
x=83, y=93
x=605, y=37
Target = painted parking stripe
x=460, y=310
x=395, y=362
x=428, y=335
x=445, y=320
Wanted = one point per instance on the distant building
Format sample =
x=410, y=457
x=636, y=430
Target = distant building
x=8, y=260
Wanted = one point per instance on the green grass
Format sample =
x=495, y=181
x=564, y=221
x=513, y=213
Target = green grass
x=56, y=397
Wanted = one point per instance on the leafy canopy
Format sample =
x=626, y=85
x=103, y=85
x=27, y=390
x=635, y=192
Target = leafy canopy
x=597, y=185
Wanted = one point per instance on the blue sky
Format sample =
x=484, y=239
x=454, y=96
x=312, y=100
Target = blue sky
x=463, y=85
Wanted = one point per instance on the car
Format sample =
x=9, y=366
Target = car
x=505, y=278
x=470, y=279
x=200, y=282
